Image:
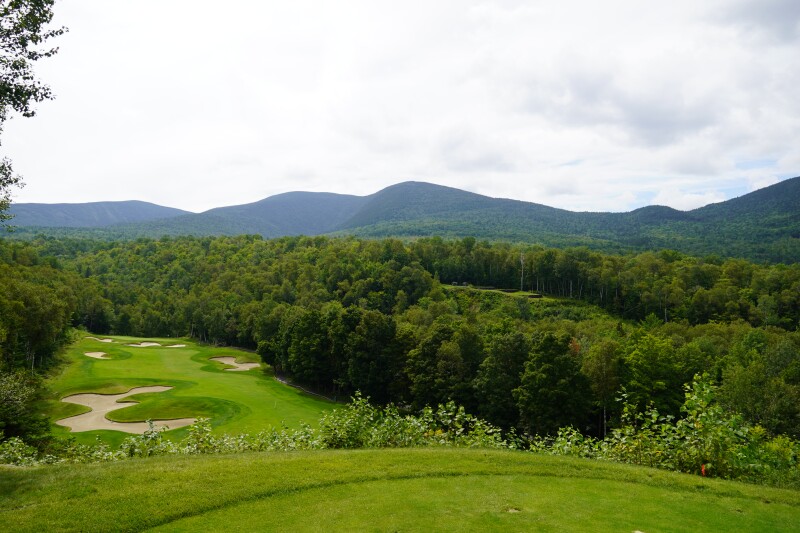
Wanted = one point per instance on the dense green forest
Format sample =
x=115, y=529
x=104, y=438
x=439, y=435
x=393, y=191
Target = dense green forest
x=415, y=323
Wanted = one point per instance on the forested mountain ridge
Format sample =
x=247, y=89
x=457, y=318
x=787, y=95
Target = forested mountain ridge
x=763, y=225
x=293, y=213
x=287, y=214
x=90, y=215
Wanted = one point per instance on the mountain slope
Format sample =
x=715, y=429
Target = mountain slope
x=292, y=213
x=89, y=215
x=775, y=200
x=415, y=208
x=414, y=201
x=420, y=209
x=763, y=225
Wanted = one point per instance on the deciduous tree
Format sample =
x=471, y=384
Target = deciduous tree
x=23, y=32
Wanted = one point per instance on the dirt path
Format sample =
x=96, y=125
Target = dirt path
x=101, y=404
x=240, y=367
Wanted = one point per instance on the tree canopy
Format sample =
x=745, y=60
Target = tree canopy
x=385, y=318
x=23, y=33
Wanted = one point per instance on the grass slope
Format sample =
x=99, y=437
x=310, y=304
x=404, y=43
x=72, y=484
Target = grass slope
x=236, y=402
x=382, y=490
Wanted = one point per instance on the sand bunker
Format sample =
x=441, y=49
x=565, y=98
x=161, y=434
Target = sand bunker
x=100, y=340
x=176, y=346
x=97, y=355
x=101, y=404
x=144, y=344
x=240, y=367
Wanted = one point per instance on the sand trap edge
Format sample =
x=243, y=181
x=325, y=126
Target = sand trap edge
x=102, y=404
x=231, y=361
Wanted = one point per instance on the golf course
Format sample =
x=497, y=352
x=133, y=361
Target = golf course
x=109, y=387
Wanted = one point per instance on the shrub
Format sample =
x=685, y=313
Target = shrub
x=14, y=451
x=706, y=441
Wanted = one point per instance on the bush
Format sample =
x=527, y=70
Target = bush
x=14, y=451
x=707, y=441
x=361, y=425
x=357, y=425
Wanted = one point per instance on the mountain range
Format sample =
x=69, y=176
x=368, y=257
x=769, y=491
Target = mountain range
x=763, y=225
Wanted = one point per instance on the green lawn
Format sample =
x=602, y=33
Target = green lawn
x=236, y=402
x=383, y=490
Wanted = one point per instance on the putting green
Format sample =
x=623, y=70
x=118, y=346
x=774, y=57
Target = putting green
x=236, y=402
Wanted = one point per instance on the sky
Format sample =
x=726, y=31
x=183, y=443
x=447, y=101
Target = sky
x=582, y=105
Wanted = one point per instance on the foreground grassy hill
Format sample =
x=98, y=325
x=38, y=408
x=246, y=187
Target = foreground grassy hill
x=235, y=402
x=440, y=489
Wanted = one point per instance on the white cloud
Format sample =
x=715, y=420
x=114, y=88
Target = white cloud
x=766, y=20
x=582, y=105
x=685, y=201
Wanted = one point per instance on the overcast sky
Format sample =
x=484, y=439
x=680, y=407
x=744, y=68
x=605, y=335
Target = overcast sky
x=584, y=105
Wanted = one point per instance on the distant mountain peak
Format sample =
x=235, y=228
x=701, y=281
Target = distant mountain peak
x=761, y=225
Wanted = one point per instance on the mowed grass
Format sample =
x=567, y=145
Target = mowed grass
x=236, y=402
x=383, y=490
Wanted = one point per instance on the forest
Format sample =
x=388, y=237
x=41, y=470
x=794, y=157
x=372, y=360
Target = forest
x=423, y=322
